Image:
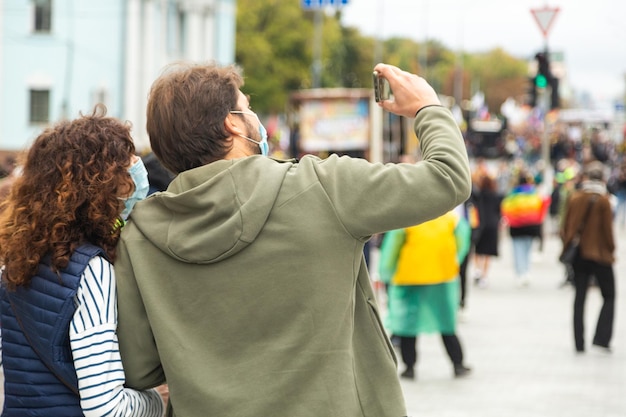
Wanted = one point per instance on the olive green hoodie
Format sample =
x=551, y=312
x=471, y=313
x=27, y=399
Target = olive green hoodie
x=244, y=285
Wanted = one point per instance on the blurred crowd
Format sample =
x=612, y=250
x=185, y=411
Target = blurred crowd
x=571, y=151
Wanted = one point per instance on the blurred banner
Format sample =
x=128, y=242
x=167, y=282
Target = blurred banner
x=334, y=123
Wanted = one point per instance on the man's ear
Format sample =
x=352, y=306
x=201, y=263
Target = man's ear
x=232, y=125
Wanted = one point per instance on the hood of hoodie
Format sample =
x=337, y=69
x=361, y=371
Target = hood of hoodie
x=212, y=212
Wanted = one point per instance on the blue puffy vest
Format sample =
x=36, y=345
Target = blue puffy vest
x=40, y=378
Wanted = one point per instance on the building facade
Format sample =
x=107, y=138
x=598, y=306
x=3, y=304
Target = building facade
x=59, y=58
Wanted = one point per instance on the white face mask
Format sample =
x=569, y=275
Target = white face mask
x=140, y=177
x=263, y=145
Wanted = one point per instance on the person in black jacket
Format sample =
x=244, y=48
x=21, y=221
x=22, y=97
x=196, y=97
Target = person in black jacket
x=486, y=241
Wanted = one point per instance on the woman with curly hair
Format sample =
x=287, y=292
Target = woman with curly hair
x=58, y=231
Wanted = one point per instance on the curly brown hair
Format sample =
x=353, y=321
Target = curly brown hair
x=67, y=194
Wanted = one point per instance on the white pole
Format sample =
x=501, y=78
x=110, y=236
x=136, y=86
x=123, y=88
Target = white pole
x=132, y=104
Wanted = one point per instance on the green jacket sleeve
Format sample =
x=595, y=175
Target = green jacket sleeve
x=370, y=198
x=389, y=253
x=462, y=234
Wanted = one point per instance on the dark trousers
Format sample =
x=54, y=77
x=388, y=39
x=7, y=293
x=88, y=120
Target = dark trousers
x=463, y=276
x=583, y=271
x=450, y=341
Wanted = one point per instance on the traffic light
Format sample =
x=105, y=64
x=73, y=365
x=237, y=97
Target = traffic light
x=543, y=68
x=543, y=79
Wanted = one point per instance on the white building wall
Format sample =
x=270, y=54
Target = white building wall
x=78, y=60
x=225, y=31
x=112, y=49
x=132, y=68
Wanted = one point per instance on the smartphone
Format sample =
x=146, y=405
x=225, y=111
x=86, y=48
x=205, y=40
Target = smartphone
x=381, y=87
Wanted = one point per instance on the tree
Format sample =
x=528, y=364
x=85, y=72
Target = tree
x=274, y=49
x=500, y=76
x=275, y=44
x=351, y=63
x=438, y=67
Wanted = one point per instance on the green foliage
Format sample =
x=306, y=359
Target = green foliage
x=275, y=49
x=403, y=53
x=430, y=60
x=499, y=76
x=350, y=65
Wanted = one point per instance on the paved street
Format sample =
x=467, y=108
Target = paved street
x=519, y=343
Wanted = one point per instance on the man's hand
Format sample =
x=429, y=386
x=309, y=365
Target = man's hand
x=410, y=92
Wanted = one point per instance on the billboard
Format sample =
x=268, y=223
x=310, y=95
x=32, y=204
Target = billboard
x=334, y=122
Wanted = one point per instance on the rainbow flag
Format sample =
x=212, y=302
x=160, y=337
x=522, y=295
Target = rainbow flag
x=524, y=207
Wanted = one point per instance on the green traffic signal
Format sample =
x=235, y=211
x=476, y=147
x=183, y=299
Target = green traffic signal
x=541, y=81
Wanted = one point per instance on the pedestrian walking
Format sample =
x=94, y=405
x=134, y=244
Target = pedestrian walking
x=469, y=212
x=244, y=284
x=618, y=187
x=421, y=264
x=524, y=210
x=590, y=207
x=488, y=201
x=569, y=181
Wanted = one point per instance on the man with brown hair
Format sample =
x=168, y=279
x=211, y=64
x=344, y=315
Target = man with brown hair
x=244, y=285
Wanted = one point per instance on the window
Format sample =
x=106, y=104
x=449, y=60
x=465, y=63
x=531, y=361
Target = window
x=43, y=15
x=39, y=106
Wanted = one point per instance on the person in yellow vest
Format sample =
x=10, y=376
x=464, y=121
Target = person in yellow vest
x=421, y=266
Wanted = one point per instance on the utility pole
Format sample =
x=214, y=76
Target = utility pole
x=316, y=68
x=544, y=18
x=318, y=31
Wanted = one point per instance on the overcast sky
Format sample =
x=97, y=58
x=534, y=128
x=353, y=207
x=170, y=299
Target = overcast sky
x=591, y=34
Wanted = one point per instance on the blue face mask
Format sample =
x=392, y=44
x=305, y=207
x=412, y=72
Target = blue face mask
x=263, y=145
x=140, y=177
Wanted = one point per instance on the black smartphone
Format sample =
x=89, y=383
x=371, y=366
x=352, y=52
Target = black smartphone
x=381, y=87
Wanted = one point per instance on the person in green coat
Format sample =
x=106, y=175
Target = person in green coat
x=244, y=284
x=421, y=265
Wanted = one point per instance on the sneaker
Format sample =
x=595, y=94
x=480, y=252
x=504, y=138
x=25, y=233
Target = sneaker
x=482, y=283
x=461, y=371
x=409, y=373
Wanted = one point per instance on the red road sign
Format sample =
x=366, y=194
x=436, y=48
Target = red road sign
x=544, y=18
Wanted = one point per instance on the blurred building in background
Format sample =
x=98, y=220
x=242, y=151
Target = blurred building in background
x=61, y=57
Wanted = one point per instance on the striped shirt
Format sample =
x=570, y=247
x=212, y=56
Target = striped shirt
x=94, y=345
